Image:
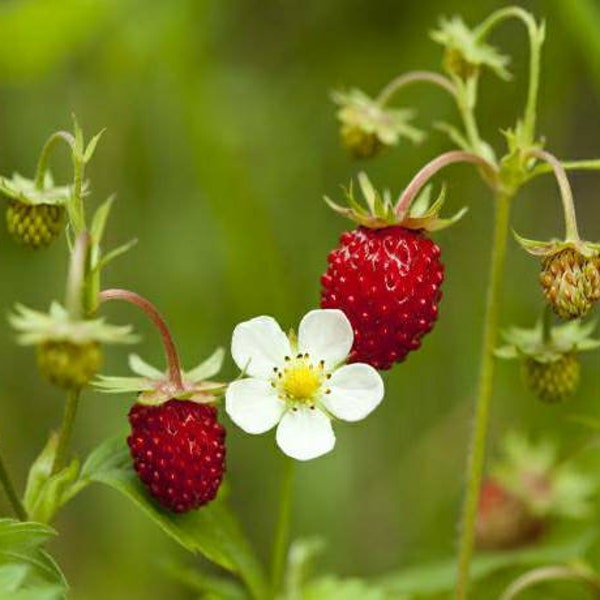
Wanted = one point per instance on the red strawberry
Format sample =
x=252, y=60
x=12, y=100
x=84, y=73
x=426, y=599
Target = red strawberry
x=386, y=274
x=387, y=281
x=504, y=520
x=178, y=451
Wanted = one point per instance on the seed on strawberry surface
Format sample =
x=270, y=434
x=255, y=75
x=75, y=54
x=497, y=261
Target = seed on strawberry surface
x=34, y=225
x=178, y=452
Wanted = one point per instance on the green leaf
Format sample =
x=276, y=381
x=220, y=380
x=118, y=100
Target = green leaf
x=91, y=147
x=440, y=576
x=45, y=492
x=211, y=531
x=334, y=588
x=208, y=585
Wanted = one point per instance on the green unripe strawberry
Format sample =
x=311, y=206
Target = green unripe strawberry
x=360, y=143
x=553, y=381
x=571, y=282
x=34, y=225
x=67, y=364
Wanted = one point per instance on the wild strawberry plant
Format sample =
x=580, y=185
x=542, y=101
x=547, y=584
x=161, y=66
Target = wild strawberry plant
x=380, y=296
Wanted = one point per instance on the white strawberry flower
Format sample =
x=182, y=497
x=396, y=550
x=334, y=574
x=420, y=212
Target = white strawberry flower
x=300, y=384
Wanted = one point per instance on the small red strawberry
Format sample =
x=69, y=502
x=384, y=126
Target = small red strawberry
x=386, y=276
x=178, y=451
x=504, y=520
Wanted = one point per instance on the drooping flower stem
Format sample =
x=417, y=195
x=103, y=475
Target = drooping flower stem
x=11, y=493
x=430, y=169
x=553, y=573
x=66, y=431
x=282, y=531
x=172, y=357
x=536, y=39
x=406, y=79
x=47, y=150
x=566, y=194
x=484, y=394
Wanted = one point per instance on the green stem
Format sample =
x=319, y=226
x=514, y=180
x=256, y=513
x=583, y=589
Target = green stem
x=536, y=39
x=566, y=194
x=66, y=431
x=553, y=573
x=47, y=150
x=11, y=493
x=282, y=532
x=484, y=395
x=414, y=77
x=466, y=95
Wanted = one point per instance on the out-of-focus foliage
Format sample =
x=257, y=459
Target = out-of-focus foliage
x=221, y=140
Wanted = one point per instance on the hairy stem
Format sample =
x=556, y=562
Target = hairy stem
x=66, y=431
x=553, y=573
x=566, y=194
x=154, y=315
x=282, y=532
x=11, y=493
x=430, y=169
x=77, y=273
x=47, y=150
x=536, y=39
x=484, y=395
x=465, y=97
x=414, y=77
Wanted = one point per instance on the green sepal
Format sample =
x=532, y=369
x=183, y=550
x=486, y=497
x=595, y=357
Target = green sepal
x=35, y=327
x=379, y=211
x=456, y=37
x=24, y=190
x=572, y=336
x=548, y=248
x=154, y=388
x=454, y=134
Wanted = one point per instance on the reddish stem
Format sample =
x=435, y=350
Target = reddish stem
x=431, y=168
x=155, y=316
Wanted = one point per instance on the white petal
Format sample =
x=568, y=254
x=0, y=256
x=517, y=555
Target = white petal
x=356, y=390
x=259, y=345
x=326, y=335
x=305, y=433
x=253, y=405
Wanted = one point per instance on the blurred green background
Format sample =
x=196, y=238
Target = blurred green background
x=220, y=143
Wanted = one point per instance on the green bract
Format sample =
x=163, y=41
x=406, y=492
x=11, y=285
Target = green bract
x=466, y=51
x=154, y=387
x=25, y=190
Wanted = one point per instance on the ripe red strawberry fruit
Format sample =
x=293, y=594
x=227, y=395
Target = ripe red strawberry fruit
x=386, y=274
x=178, y=451
x=504, y=520
x=387, y=281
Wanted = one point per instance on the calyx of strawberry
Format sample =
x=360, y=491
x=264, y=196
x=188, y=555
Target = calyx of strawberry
x=545, y=249
x=379, y=211
x=155, y=387
x=21, y=189
x=572, y=337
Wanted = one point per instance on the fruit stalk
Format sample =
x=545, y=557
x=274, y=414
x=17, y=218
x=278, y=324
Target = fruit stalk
x=11, y=493
x=566, y=194
x=47, y=150
x=484, y=394
x=154, y=315
x=282, y=532
x=414, y=77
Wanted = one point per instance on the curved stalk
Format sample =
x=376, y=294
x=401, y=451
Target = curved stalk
x=566, y=194
x=536, y=39
x=401, y=81
x=430, y=169
x=569, y=165
x=47, y=150
x=11, y=493
x=282, y=532
x=555, y=573
x=484, y=396
x=154, y=315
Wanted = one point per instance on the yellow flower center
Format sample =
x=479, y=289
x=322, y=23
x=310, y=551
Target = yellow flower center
x=300, y=382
